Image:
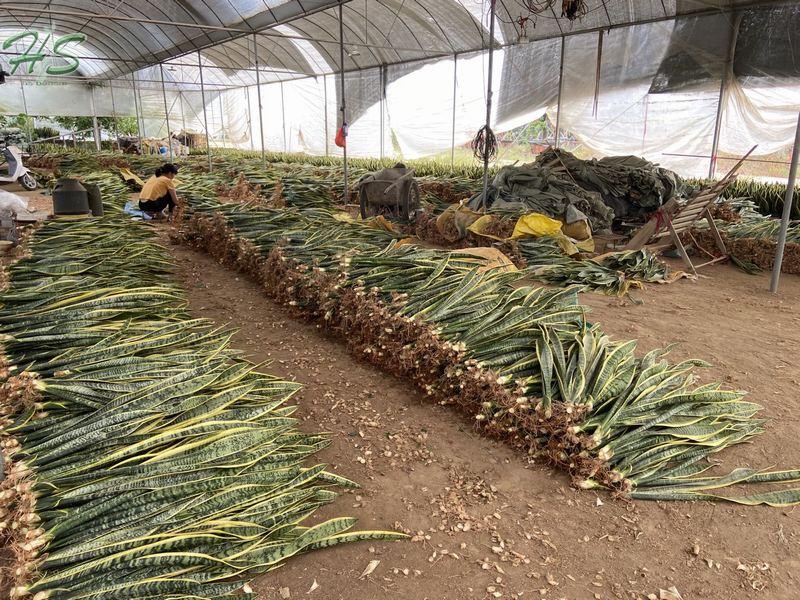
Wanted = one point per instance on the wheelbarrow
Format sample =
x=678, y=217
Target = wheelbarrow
x=389, y=191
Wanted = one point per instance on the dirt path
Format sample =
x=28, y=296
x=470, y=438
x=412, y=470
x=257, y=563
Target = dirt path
x=487, y=524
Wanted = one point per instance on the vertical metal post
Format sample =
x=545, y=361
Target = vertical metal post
x=143, y=128
x=114, y=115
x=166, y=110
x=136, y=108
x=598, y=73
x=489, y=94
x=95, y=124
x=260, y=108
x=787, y=212
x=27, y=118
x=727, y=73
x=283, y=120
x=222, y=120
x=453, y=130
x=325, y=112
x=560, y=91
x=205, y=117
x=343, y=108
x=382, y=71
x=249, y=117
x=185, y=143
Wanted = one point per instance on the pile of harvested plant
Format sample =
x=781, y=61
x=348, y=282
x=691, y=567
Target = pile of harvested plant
x=143, y=457
x=520, y=360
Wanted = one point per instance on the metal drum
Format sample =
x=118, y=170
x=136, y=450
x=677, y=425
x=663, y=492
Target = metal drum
x=70, y=198
x=95, y=199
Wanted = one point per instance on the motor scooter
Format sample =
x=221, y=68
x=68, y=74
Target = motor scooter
x=16, y=171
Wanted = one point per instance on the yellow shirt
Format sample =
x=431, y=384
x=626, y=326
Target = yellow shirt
x=156, y=187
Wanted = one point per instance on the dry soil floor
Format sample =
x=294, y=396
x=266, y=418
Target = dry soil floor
x=486, y=523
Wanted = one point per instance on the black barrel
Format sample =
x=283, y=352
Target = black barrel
x=70, y=198
x=95, y=199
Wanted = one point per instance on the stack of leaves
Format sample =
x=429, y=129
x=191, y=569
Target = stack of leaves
x=750, y=238
x=521, y=360
x=143, y=457
x=768, y=197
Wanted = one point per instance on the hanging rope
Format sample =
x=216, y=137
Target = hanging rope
x=484, y=144
x=574, y=9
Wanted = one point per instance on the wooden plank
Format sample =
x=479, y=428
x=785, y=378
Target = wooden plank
x=676, y=239
x=715, y=233
x=33, y=217
x=650, y=229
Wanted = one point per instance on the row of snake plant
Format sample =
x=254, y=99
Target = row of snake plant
x=144, y=458
x=635, y=424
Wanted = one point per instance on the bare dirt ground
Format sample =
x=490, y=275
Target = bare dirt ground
x=486, y=523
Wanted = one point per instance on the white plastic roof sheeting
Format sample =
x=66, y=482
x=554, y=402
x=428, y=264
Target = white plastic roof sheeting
x=416, y=74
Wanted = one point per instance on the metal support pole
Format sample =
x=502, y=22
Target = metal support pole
x=114, y=115
x=325, y=113
x=260, y=108
x=141, y=109
x=727, y=73
x=205, y=117
x=185, y=142
x=95, y=123
x=166, y=111
x=489, y=95
x=787, y=212
x=598, y=72
x=343, y=108
x=383, y=105
x=225, y=136
x=283, y=120
x=27, y=118
x=560, y=92
x=136, y=108
x=249, y=118
x=453, y=130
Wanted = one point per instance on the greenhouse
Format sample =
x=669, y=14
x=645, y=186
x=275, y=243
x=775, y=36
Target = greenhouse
x=678, y=82
x=420, y=299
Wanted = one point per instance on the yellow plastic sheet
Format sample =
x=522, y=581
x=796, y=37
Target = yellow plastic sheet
x=535, y=225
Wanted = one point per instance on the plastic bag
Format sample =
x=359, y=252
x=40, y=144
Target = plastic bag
x=535, y=225
x=13, y=204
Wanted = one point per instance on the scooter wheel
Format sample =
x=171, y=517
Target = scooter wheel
x=28, y=181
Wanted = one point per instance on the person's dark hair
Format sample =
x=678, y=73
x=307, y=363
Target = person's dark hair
x=169, y=168
x=399, y=166
x=159, y=172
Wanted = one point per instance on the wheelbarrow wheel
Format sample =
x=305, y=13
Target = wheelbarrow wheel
x=362, y=200
x=410, y=203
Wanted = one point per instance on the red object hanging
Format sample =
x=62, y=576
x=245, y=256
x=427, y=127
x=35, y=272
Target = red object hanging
x=341, y=136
